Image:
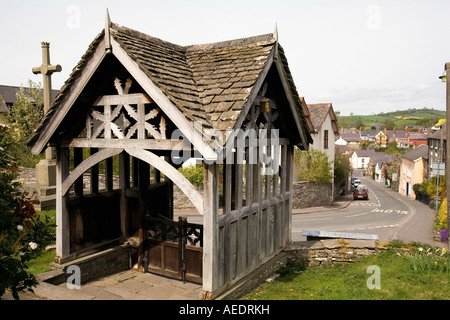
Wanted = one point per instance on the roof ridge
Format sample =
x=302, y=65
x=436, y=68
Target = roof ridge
x=144, y=36
x=232, y=43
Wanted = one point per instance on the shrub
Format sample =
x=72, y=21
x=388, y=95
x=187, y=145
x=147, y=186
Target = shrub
x=313, y=166
x=22, y=233
x=441, y=222
x=194, y=173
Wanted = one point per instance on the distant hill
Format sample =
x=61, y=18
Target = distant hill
x=400, y=118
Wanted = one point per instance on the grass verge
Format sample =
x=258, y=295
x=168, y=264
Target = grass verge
x=401, y=278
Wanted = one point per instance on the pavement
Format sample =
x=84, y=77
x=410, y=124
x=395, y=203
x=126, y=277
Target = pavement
x=135, y=285
x=127, y=285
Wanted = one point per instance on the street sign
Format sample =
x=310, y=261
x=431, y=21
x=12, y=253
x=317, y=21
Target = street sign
x=438, y=169
x=394, y=176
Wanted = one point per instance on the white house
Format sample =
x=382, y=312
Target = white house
x=360, y=158
x=325, y=128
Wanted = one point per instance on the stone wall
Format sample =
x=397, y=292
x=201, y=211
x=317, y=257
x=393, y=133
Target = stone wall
x=330, y=251
x=311, y=194
x=98, y=265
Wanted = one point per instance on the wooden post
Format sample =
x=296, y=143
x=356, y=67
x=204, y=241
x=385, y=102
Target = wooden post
x=447, y=73
x=211, y=229
x=124, y=184
x=62, y=216
x=77, y=159
x=94, y=173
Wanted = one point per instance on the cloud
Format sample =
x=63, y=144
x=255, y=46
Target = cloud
x=368, y=100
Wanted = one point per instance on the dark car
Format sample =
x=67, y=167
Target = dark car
x=361, y=192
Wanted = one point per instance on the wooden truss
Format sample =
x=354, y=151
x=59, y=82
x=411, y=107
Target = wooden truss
x=124, y=116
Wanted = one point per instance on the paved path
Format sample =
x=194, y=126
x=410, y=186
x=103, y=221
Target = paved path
x=127, y=285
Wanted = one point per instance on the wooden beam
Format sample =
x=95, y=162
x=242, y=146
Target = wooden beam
x=211, y=268
x=148, y=144
x=253, y=94
x=94, y=173
x=62, y=215
x=173, y=174
x=122, y=99
x=124, y=183
x=291, y=100
x=85, y=165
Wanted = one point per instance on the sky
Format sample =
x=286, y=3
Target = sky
x=365, y=57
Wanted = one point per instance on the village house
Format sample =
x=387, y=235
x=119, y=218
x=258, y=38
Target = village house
x=417, y=139
x=413, y=170
x=437, y=148
x=325, y=129
x=377, y=166
x=383, y=137
x=360, y=159
x=352, y=139
x=148, y=105
x=368, y=135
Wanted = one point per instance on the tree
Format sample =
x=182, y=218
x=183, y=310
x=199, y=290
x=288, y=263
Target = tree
x=341, y=167
x=23, y=234
x=27, y=111
x=389, y=124
x=313, y=166
x=23, y=118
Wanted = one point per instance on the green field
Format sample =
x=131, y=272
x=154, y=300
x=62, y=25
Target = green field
x=423, y=117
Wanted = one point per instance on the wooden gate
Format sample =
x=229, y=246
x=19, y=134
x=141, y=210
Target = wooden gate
x=173, y=248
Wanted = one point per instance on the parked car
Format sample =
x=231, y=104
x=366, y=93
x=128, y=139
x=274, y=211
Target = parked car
x=355, y=183
x=361, y=191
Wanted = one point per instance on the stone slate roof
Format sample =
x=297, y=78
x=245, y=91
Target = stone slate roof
x=318, y=114
x=208, y=83
x=417, y=153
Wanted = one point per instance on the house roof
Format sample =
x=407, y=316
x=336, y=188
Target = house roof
x=380, y=158
x=417, y=153
x=211, y=84
x=8, y=96
x=437, y=133
x=365, y=153
x=307, y=114
x=368, y=133
x=351, y=136
x=319, y=113
x=417, y=136
x=392, y=134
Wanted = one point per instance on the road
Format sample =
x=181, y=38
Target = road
x=383, y=214
x=386, y=213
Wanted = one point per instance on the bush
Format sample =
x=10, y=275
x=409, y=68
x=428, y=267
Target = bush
x=313, y=166
x=194, y=173
x=23, y=235
x=441, y=222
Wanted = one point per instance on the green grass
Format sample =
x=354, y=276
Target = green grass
x=42, y=263
x=398, y=281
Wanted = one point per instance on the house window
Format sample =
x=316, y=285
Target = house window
x=325, y=139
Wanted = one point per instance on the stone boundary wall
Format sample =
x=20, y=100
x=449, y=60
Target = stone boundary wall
x=330, y=251
x=309, y=253
x=311, y=194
